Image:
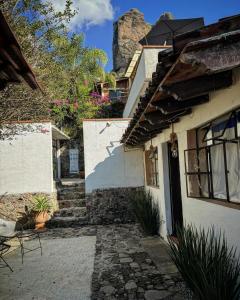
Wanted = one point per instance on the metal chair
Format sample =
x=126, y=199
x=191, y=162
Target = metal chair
x=3, y=249
x=32, y=235
x=22, y=236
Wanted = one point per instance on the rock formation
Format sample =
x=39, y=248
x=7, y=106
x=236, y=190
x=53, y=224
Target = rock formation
x=128, y=30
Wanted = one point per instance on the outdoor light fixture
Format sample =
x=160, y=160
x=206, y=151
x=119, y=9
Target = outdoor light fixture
x=173, y=141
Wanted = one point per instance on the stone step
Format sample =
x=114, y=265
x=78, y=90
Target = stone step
x=72, y=212
x=71, y=182
x=71, y=189
x=70, y=195
x=71, y=203
x=63, y=222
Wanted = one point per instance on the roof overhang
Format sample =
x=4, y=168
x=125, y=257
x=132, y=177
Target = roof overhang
x=184, y=81
x=58, y=134
x=13, y=66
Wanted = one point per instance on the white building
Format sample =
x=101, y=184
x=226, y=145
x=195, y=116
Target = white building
x=185, y=126
x=108, y=164
x=30, y=160
x=141, y=68
x=188, y=126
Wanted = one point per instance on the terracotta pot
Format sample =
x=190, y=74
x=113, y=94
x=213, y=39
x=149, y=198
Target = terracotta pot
x=41, y=219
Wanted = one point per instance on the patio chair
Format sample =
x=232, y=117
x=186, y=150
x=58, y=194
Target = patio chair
x=3, y=249
x=28, y=235
x=7, y=232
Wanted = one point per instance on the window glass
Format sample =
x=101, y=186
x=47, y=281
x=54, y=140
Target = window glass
x=233, y=167
x=198, y=185
x=218, y=171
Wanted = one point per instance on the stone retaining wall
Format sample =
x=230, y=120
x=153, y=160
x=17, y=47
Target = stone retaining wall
x=110, y=206
x=11, y=206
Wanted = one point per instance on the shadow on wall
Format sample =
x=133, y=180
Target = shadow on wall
x=118, y=169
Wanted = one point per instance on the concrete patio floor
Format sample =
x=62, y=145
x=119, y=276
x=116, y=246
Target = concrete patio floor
x=63, y=272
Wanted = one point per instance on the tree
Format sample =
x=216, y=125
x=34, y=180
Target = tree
x=65, y=69
x=34, y=23
x=80, y=68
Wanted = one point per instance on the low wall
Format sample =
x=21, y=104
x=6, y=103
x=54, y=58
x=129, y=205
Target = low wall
x=11, y=206
x=109, y=206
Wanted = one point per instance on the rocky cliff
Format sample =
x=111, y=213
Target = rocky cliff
x=128, y=30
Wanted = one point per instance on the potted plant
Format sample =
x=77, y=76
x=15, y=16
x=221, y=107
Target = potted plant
x=42, y=208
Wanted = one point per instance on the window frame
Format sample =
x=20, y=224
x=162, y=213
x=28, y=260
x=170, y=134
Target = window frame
x=151, y=168
x=216, y=141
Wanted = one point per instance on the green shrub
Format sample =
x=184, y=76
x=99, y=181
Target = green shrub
x=211, y=270
x=146, y=211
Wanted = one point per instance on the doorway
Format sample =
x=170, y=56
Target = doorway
x=175, y=191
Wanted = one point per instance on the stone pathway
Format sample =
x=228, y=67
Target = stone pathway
x=124, y=270
x=124, y=265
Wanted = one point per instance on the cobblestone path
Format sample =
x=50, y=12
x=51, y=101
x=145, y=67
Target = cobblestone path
x=124, y=270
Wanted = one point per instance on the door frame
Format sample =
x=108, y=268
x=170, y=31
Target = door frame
x=175, y=187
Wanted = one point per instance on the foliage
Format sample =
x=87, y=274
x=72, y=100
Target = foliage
x=80, y=67
x=41, y=204
x=205, y=262
x=146, y=211
x=110, y=78
x=65, y=68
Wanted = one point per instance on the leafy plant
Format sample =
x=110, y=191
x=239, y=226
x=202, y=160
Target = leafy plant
x=146, y=211
x=41, y=204
x=209, y=267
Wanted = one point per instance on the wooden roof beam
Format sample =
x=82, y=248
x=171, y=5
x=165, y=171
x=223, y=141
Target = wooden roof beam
x=158, y=118
x=171, y=105
x=198, y=86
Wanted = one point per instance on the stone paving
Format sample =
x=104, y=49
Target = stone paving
x=124, y=270
x=126, y=267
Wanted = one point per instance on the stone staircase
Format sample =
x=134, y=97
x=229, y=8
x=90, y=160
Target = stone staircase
x=72, y=207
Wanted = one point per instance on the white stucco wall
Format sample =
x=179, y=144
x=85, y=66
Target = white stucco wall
x=195, y=211
x=146, y=66
x=26, y=161
x=107, y=164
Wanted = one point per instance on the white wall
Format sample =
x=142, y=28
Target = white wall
x=107, y=165
x=146, y=66
x=26, y=161
x=198, y=212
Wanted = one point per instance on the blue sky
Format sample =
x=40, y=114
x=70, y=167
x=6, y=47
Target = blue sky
x=100, y=36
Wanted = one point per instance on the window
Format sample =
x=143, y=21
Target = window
x=151, y=164
x=212, y=160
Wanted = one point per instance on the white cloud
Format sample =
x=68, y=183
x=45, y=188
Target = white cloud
x=89, y=12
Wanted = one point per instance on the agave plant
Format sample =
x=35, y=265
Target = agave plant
x=209, y=267
x=146, y=211
x=41, y=204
